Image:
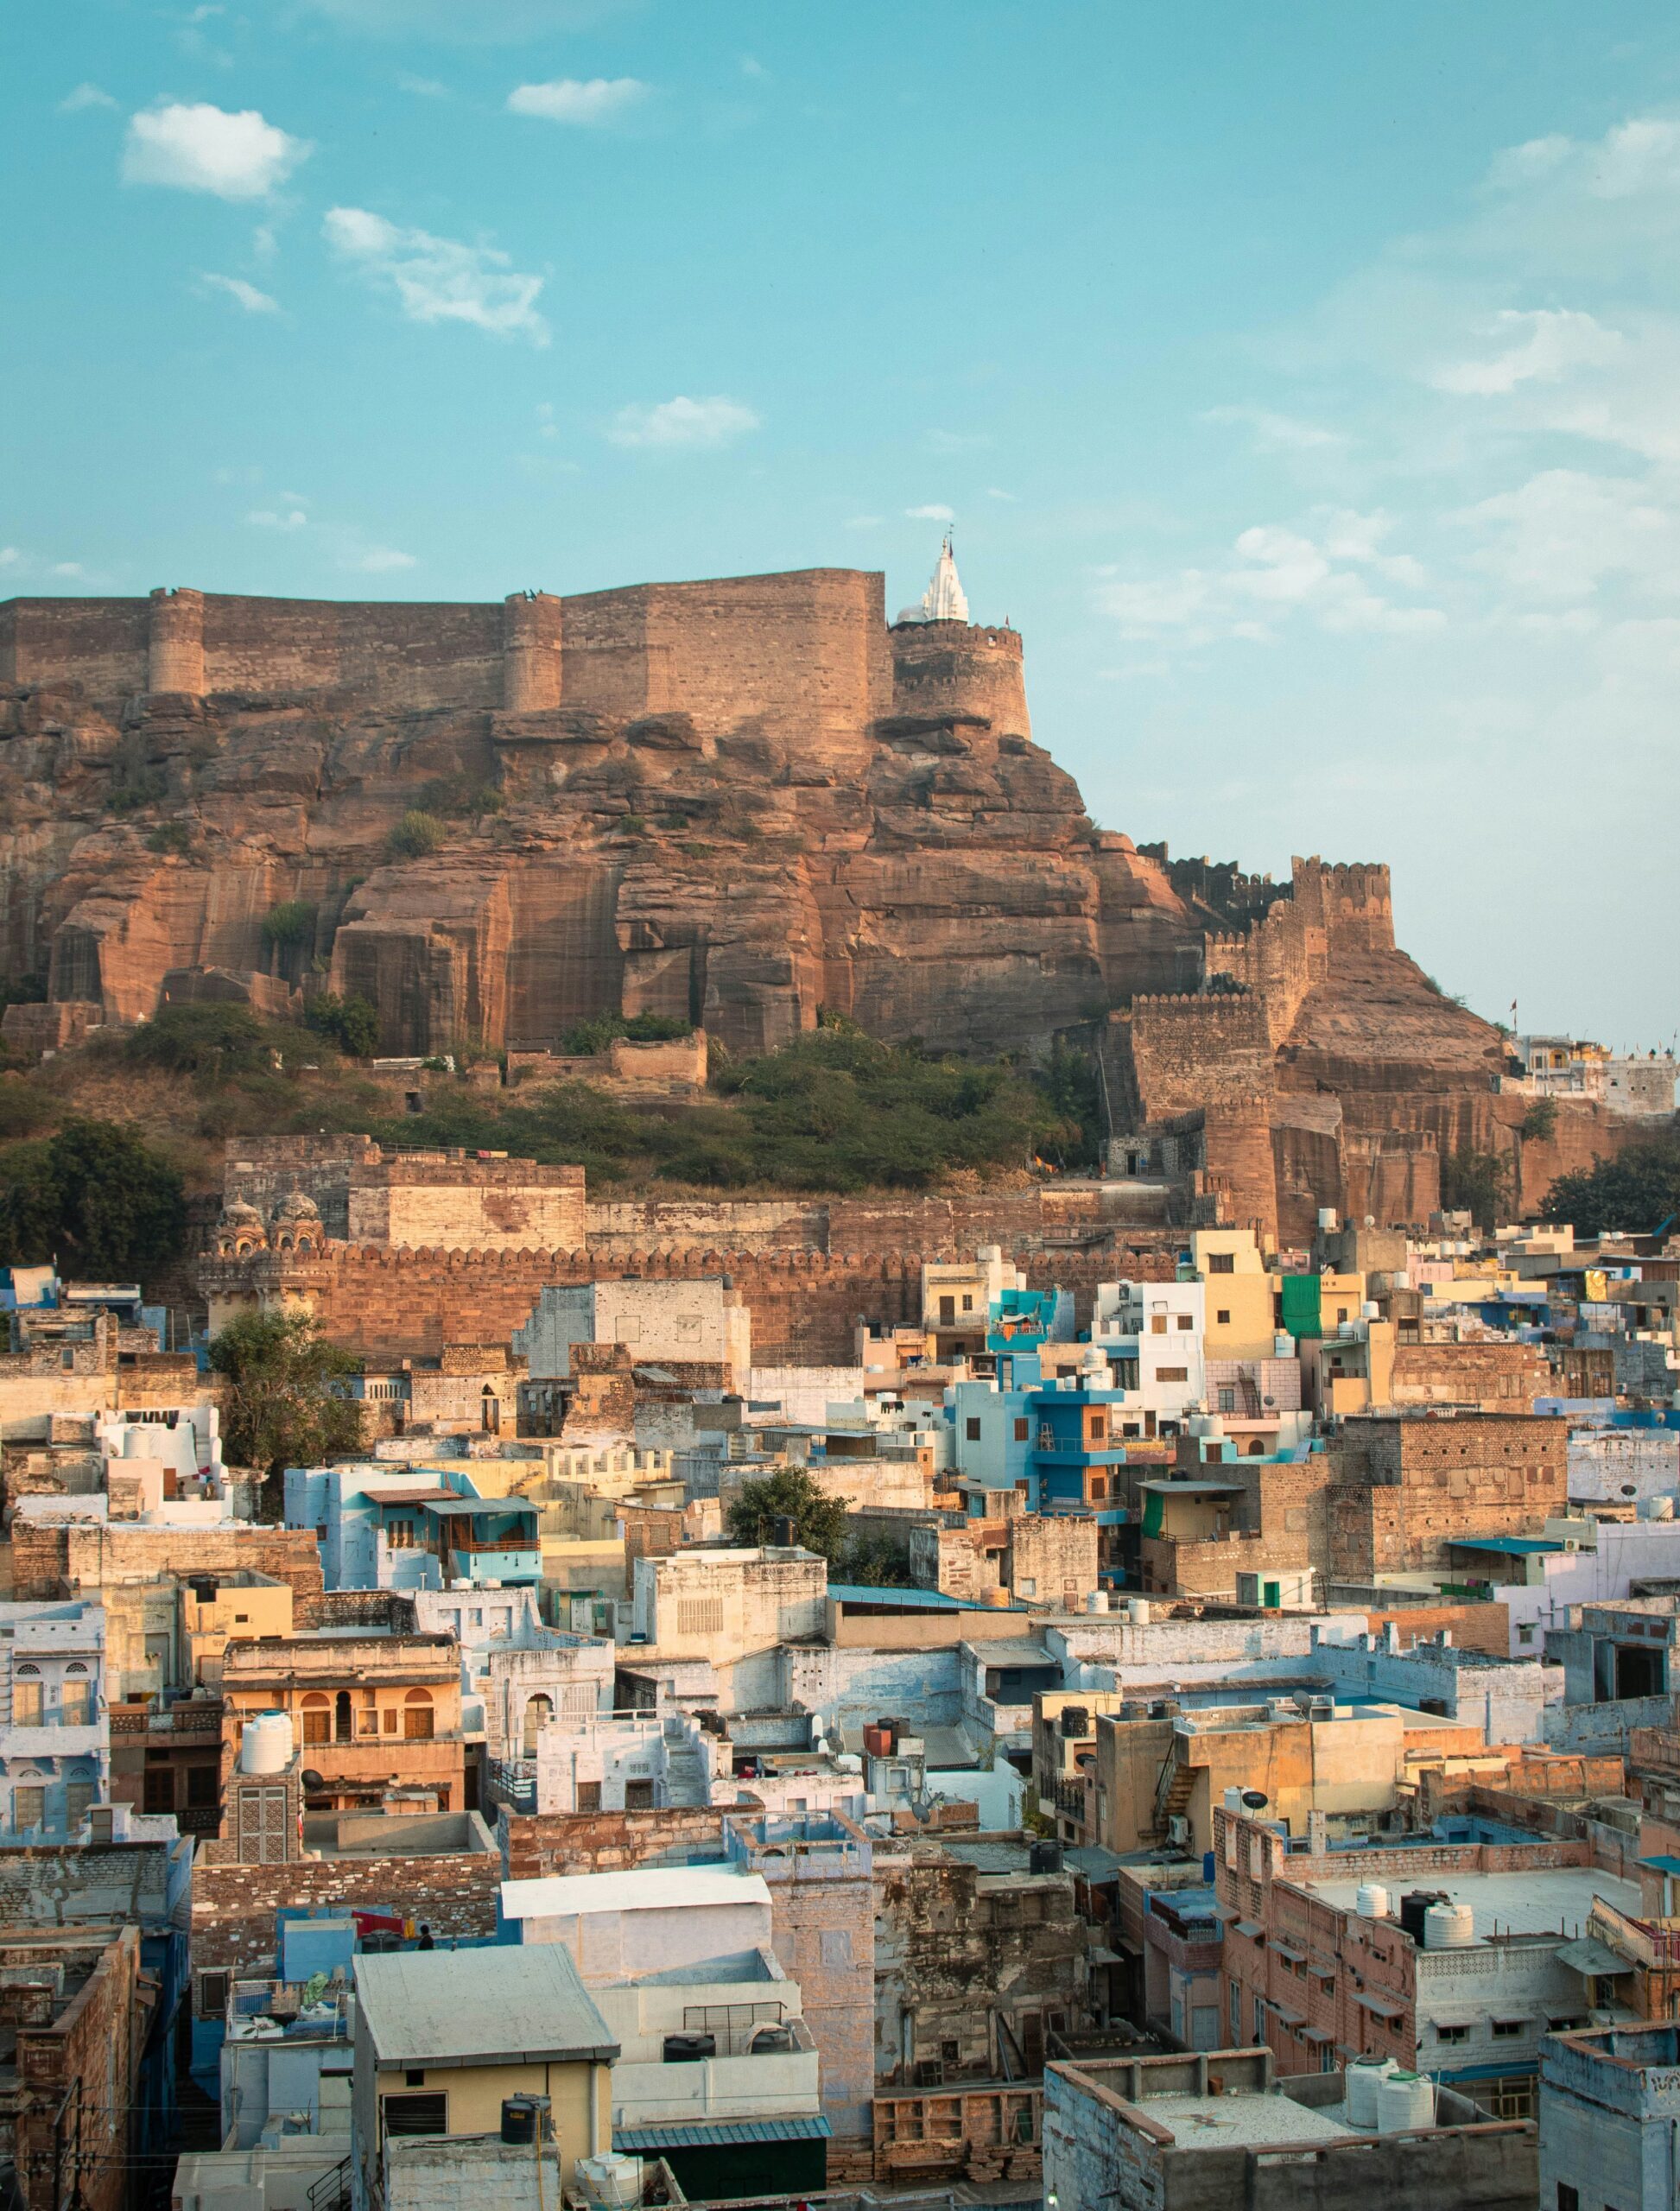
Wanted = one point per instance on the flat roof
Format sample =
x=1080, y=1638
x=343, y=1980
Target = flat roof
x=1242, y=2122
x=481, y=1506
x=1190, y=1489
x=648, y=1888
x=1548, y=1900
x=503, y=2004
x=1517, y=1546
x=913, y=1600
x=1015, y=1651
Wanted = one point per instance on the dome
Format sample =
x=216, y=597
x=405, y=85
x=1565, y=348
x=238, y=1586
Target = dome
x=295, y=1210
x=241, y=1215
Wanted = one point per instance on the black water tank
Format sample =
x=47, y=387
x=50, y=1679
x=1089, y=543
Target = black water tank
x=782, y=1532
x=1413, y=1905
x=519, y=2120
x=1075, y=1719
x=686, y=2049
x=1045, y=1858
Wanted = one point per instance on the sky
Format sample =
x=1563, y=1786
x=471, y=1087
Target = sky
x=1301, y=380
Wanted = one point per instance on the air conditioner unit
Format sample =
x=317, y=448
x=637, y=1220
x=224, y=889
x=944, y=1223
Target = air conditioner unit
x=1178, y=1832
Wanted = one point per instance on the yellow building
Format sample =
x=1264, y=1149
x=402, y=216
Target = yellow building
x=223, y=1608
x=445, y=2037
x=1241, y=1301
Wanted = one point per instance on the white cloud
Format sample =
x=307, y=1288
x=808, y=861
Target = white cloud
x=1012, y=497
x=1548, y=343
x=861, y=522
x=286, y=517
x=1275, y=432
x=957, y=440
x=576, y=99
x=682, y=422
x=439, y=280
x=245, y=295
x=375, y=559
x=1271, y=574
x=1565, y=533
x=933, y=512
x=482, y=22
x=69, y=569
x=422, y=88
x=204, y=148
x=85, y=96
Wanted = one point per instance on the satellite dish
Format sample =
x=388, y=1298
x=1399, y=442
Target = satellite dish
x=1254, y=1799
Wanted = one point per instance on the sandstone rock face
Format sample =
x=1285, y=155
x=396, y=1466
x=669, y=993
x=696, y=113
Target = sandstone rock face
x=734, y=802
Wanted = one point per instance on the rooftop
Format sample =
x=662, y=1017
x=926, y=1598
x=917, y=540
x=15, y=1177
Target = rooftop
x=1546, y=1901
x=1244, y=2122
x=504, y=2005
x=648, y=1888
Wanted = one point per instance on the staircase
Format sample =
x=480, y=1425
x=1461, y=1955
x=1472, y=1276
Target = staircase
x=687, y=1775
x=1173, y=1792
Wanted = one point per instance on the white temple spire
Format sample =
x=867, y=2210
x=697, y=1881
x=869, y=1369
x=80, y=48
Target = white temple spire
x=944, y=601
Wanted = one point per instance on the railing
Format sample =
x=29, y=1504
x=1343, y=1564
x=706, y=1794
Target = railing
x=332, y=2191
x=530, y=1542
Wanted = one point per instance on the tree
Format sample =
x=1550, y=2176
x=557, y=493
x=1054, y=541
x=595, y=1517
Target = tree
x=212, y=1039
x=1476, y=1182
x=819, y=1521
x=281, y=1408
x=1637, y=1190
x=352, y=1022
x=1539, y=1123
x=876, y=1561
x=97, y=1198
x=415, y=835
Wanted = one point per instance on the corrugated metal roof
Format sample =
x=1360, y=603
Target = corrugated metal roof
x=912, y=1600
x=497, y=2006
x=648, y=1888
x=1515, y=1546
x=697, y=2134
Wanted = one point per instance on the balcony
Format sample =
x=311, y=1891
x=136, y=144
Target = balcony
x=757, y=2084
x=197, y=1720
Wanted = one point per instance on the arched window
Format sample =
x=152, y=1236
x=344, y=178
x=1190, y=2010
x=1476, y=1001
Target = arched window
x=317, y=1720
x=417, y=1716
x=26, y=1696
x=539, y=1712
x=343, y=1724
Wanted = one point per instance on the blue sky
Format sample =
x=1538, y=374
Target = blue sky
x=1301, y=379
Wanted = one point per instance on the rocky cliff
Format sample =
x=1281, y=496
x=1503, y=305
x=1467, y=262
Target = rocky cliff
x=733, y=802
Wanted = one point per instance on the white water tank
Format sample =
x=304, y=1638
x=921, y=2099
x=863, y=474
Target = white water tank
x=1137, y=1610
x=1097, y=1601
x=1283, y=1345
x=1364, y=2080
x=611, y=2178
x=1368, y=1310
x=1233, y=1800
x=1326, y=1218
x=266, y=1744
x=1448, y=1927
x=1656, y=1508
x=1404, y=2100
x=1371, y=1902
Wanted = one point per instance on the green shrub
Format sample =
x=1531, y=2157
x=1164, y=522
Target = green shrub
x=352, y=1022
x=460, y=797
x=291, y=923
x=415, y=835
x=1539, y=1123
x=586, y=1038
x=1637, y=1190
x=175, y=836
x=24, y=990
x=212, y=1041
x=96, y=1197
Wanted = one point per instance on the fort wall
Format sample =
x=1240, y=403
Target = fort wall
x=950, y=668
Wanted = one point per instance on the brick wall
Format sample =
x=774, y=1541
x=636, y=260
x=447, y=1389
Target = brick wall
x=234, y=1906
x=51, y=1561
x=535, y=1846
x=1409, y=1486
x=1494, y=1376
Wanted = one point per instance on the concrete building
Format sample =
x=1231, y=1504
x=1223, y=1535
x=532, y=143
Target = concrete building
x=1194, y=2133
x=725, y=1603
x=607, y=1761
x=1316, y=1963
x=620, y=1926
x=1610, y=2118
x=443, y=2039
x=531, y=1680
x=656, y=1321
x=1240, y=1314
x=75, y=2014
x=55, y=1742
x=375, y=1717
x=1153, y=1336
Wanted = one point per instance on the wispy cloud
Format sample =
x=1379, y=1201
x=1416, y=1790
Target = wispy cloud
x=439, y=280
x=1540, y=345
x=243, y=295
x=589, y=101
x=422, y=88
x=374, y=560
x=1271, y=574
x=957, y=440
x=1012, y=497
x=83, y=97
x=237, y=156
x=1276, y=433
x=676, y=423
x=933, y=512
x=282, y=517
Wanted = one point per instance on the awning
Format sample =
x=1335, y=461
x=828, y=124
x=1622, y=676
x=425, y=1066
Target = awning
x=1290, y=2018
x=702, y=2134
x=1250, y=1928
x=1592, y=1958
x=1315, y=2034
x=1285, y=1950
x=1384, y=2007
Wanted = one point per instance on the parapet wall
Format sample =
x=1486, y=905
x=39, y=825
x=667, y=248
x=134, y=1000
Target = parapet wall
x=807, y=650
